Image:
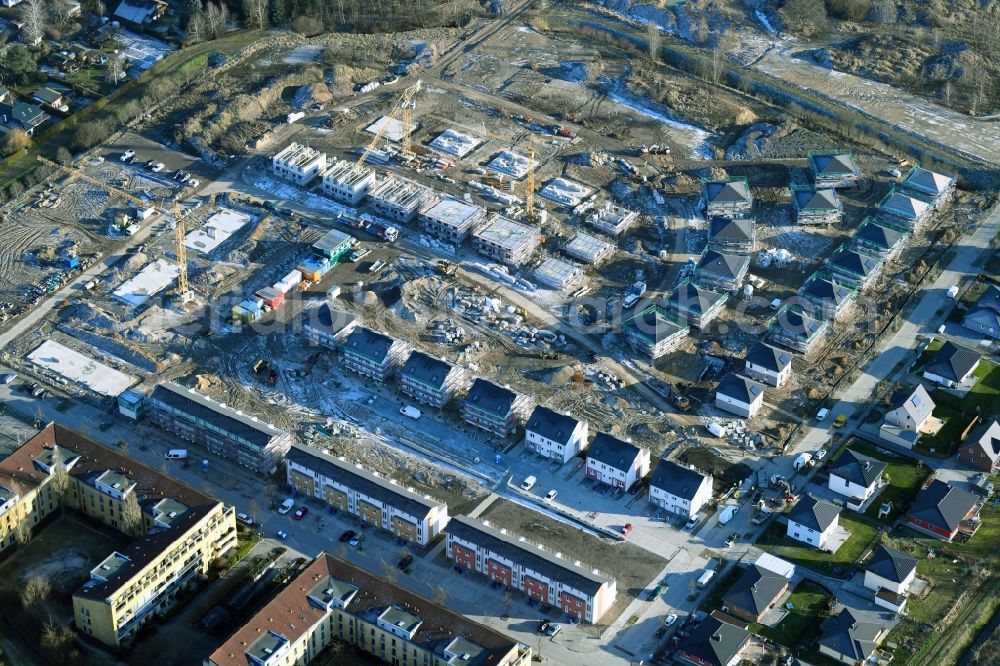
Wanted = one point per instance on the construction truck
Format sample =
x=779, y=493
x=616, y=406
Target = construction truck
x=386, y=232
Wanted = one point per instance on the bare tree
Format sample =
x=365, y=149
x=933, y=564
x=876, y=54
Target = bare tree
x=16, y=141
x=254, y=510
x=34, y=14
x=58, y=476
x=389, y=572
x=255, y=12
x=132, y=515
x=654, y=38
x=115, y=70
x=22, y=532
x=34, y=595
x=216, y=17
x=58, y=644
x=62, y=12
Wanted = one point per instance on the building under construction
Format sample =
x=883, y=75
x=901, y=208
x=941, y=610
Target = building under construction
x=346, y=182
x=398, y=198
x=611, y=219
x=558, y=274
x=298, y=163
x=504, y=239
x=588, y=248
x=450, y=219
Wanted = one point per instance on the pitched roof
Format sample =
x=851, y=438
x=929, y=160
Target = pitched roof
x=833, y=164
x=740, y=388
x=990, y=299
x=928, y=181
x=903, y=206
x=917, y=403
x=690, y=298
x=852, y=632
x=426, y=369
x=28, y=115
x=47, y=95
x=732, y=191
x=488, y=397
x=552, y=425
x=985, y=438
x=197, y=406
x=814, y=514
x=730, y=266
x=891, y=564
x=327, y=319
x=371, y=344
x=878, y=235
x=768, y=357
x=678, y=480
x=822, y=199
x=542, y=561
x=715, y=642
x=825, y=290
x=612, y=451
x=729, y=230
x=989, y=317
x=942, y=505
x=654, y=324
x=952, y=362
x=362, y=480
x=854, y=262
x=856, y=468
x=797, y=324
x=755, y=590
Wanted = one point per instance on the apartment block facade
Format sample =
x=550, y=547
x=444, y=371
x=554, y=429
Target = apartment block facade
x=372, y=354
x=431, y=381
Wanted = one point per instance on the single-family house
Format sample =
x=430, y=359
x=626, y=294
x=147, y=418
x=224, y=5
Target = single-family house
x=695, y=306
x=555, y=435
x=754, y=593
x=935, y=187
x=732, y=235
x=951, y=365
x=872, y=237
x=616, y=463
x=891, y=570
x=719, y=271
x=768, y=364
x=22, y=115
x=904, y=211
x=855, y=269
x=833, y=169
x=981, y=449
x=714, y=643
x=942, y=511
x=140, y=12
x=812, y=521
x=852, y=636
x=727, y=198
x=495, y=408
x=739, y=395
x=984, y=316
x=678, y=489
x=824, y=297
x=856, y=477
x=910, y=410
x=817, y=205
x=796, y=330
x=654, y=332
x=50, y=97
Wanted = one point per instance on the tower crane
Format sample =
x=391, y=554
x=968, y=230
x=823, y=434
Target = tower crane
x=77, y=173
x=404, y=105
x=183, y=290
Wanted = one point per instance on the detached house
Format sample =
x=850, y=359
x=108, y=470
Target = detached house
x=852, y=636
x=754, y=593
x=494, y=408
x=856, y=477
x=372, y=354
x=732, y=235
x=554, y=435
x=722, y=272
x=825, y=298
x=727, y=198
x=904, y=211
x=910, y=409
x=739, y=395
x=942, y=511
x=812, y=521
x=714, y=643
x=678, y=489
x=431, y=381
x=854, y=268
x=951, y=366
x=875, y=238
x=768, y=364
x=935, y=187
x=834, y=169
x=21, y=115
x=695, y=306
x=984, y=316
x=796, y=330
x=889, y=574
x=981, y=449
x=616, y=463
x=654, y=332
x=140, y=12
x=817, y=206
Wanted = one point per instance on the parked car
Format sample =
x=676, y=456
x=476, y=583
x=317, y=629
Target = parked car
x=128, y=155
x=822, y=414
x=347, y=536
x=150, y=163
x=820, y=454
x=553, y=629
x=158, y=167
x=626, y=529
x=670, y=619
x=528, y=483
x=194, y=182
x=358, y=255
x=405, y=562
x=356, y=541
x=301, y=513
x=7, y=378
x=542, y=626
x=730, y=541
x=551, y=495
x=690, y=525
x=840, y=421
x=245, y=519
x=282, y=534
x=286, y=506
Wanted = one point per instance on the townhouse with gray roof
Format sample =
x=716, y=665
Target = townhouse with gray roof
x=713, y=643
x=817, y=206
x=720, y=271
x=727, y=198
x=796, y=330
x=934, y=187
x=680, y=490
x=615, y=462
x=732, y=235
x=431, y=381
x=889, y=573
x=833, y=169
x=825, y=297
x=903, y=211
x=851, y=637
x=372, y=354
x=984, y=316
x=695, y=306
x=555, y=435
x=951, y=366
x=654, y=332
x=739, y=395
x=812, y=521
x=873, y=237
x=754, y=593
x=545, y=577
x=494, y=408
x=853, y=268
x=768, y=364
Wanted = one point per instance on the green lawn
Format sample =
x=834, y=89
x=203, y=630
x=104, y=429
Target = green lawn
x=929, y=352
x=91, y=78
x=946, y=440
x=906, y=476
x=837, y=564
x=800, y=625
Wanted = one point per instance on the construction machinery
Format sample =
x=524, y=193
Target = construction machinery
x=402, y=106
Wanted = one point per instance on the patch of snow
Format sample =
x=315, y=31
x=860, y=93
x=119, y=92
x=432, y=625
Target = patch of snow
x=700, y=137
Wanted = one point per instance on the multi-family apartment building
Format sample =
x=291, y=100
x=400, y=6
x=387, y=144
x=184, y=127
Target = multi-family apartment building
x=299, y=164
x=377, y=501
x=554, y=435
x=398, y=198
x=332, y=601
x=508, y=241
x=495, y=408
x=179, y=531
x=224, y=431
x=372, y=354
x=582, y=593
x=450, y=219
x=727, y=198
x=346, y=182
x=327, y=326
x=431, y=381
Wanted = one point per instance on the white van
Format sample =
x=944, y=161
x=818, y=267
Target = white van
x=822, y=414
x=176, y=454
x=705, y=579
x=528, y=483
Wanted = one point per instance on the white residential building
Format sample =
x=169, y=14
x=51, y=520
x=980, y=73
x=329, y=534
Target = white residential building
x=739, y=395
x=812, y=521
x=890, y=570
x=346, y=182
x=616, y=463
x=678, y=489
x=554, y=435
x=768, y=364
x=298, y=163
x=856, y=477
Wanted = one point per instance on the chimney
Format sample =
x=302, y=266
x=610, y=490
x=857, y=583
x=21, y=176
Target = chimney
x=717, y=637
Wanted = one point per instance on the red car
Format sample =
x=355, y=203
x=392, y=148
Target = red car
x=627, y=529
x=300, y=514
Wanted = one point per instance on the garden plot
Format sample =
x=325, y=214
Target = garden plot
x=142, y=51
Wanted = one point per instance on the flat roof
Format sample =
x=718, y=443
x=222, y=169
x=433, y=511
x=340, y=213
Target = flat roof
x=507, y=233
x=565, y=191
x=449, y=210
x=557, y=270
x=152, y=279
x=216, y=230
x=587, y=247
x=510, y=163
x=394, y=130
x=73, y=365
x=399, y=191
